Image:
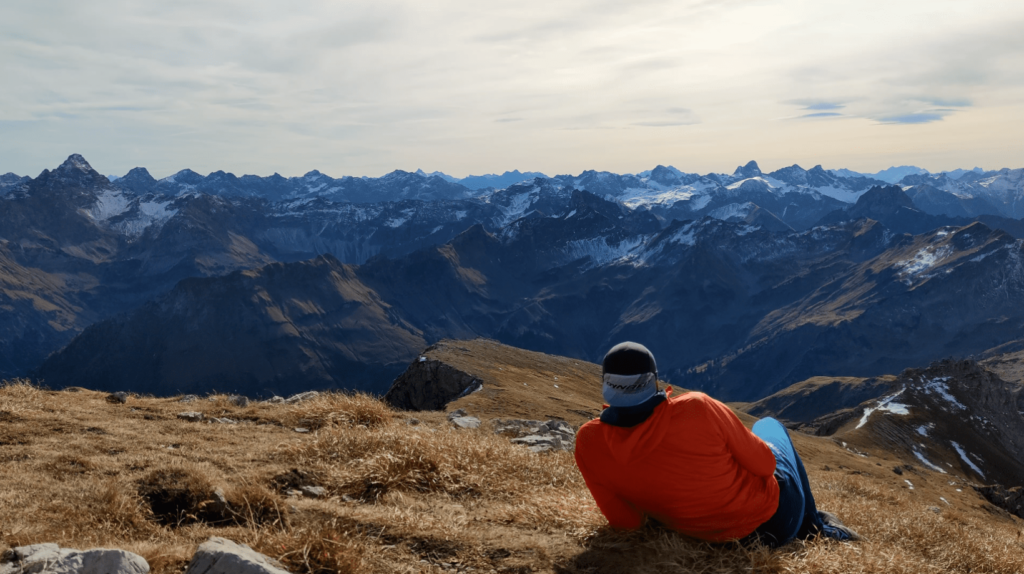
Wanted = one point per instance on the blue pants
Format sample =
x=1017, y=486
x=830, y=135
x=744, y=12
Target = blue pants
x=797, y=516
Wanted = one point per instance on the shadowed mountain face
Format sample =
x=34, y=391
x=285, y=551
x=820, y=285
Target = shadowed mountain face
x=38, y=314
x=951, y=292
x=953, y=418
x=276, y=330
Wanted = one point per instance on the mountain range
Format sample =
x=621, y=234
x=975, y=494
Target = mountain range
x=742, y=284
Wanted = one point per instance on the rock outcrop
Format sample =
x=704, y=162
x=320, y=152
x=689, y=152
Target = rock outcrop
x=538, y=436
x=221, y=556
x=495, y=381
x=1009, y=499
x=430, y=384
x=52, y=559
x=460, y=419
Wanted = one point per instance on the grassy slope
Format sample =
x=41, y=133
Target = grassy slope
x=408, y=498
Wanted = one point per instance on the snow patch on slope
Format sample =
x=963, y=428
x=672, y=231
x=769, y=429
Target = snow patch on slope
x=927, y=462
x=923, y=260
x=517, y=207
x=963, y=456
x=733, y=210
x=109, y=203
x=885, y=405
x=696, y=194
x=938, y=386
x=600, y=252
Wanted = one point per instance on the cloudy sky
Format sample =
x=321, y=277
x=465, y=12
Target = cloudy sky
x=364, y=87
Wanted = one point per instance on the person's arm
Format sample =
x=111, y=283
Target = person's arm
x=750, y=452
x=620, y=514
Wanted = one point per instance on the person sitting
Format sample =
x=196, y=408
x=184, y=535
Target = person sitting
x=688, y=462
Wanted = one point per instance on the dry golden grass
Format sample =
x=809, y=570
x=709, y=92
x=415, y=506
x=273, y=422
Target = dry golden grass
x=78, y=470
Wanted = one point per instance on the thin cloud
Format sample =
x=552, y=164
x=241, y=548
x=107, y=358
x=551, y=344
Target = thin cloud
x=824, y=106
x=950, y=103
x=822, y=115
x=666, y=123
x=919, y=118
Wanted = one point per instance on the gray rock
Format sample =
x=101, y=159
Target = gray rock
x=221, y=556
x=549, y=441
x=191, y=416
x=239, y=400
x=456, y=414
x=561, y=427
x=466, y=422
x=51, y=559
x=429, y=385
x=218, y=504
x=119, y=397
x=223, y=421
x=538, y=436
x=302, y=430
x=188, y=398
x=518, y=427
x=275, y=400
x=294, y=399
x=34, y=552
x=314, y=491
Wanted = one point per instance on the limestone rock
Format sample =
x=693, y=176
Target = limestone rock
x=540, y=443
x=295, y=399
x=52, y=559
x=118, y=397
x=221, y=556
x=539, y=436
x=466, y=422
x=314, y=491
x=462, y=420
x=218, y=504
x=191, y=416
x=239, y=400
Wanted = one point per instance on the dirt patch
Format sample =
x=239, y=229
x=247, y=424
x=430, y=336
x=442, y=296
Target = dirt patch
x=294, y=479
x=180, y=496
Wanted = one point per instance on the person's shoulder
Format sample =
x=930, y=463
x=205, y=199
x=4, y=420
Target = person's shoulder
x=589, y=427
x=690, y=403
x=687, y=398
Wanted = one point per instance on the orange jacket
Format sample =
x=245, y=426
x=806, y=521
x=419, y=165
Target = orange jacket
x=691, y=465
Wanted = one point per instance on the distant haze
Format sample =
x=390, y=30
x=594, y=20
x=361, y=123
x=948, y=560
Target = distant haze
x=362, y=88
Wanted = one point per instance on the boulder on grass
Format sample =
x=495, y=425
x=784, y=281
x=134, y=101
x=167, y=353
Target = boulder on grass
x=222, y=556
x=52, y=559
